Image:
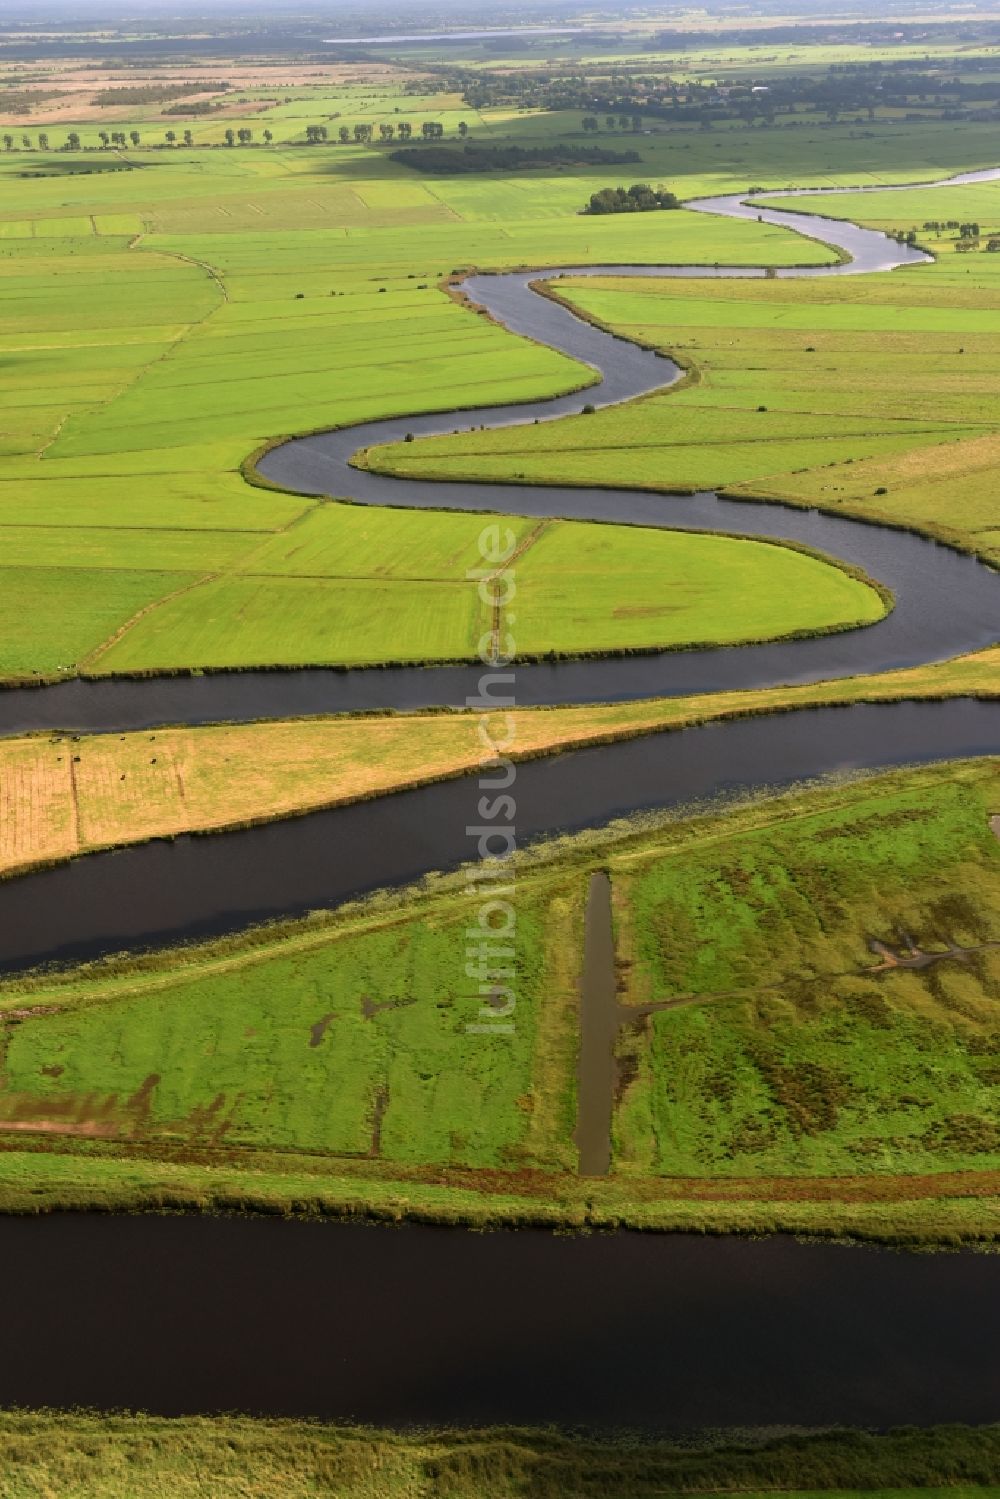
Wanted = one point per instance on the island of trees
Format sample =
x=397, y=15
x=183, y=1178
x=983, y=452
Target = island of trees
x=639, y=198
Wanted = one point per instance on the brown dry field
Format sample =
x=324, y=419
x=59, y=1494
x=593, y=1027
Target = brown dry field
x=77, y=86
x=63, y=796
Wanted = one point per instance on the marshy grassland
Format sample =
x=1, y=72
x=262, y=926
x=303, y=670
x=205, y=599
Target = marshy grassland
x=765, y=956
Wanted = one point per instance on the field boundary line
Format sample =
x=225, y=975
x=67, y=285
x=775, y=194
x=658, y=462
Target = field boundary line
x=523, y=547
x=93, y=656
x=74, y=797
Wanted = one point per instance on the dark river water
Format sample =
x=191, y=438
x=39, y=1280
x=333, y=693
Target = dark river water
x=664, y=1334
x=423, y=1325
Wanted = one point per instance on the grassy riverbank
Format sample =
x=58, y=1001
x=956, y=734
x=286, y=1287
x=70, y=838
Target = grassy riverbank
x=109, y=1457
x=64, y=795
x=327, y=1065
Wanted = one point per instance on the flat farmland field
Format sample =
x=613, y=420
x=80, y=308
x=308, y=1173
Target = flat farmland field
x=141, y=369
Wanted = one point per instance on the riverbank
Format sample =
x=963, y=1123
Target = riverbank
x=99, y=1456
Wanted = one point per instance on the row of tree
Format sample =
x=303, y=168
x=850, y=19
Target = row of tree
x=430, y=130
x=623, y=122
x=118, y=139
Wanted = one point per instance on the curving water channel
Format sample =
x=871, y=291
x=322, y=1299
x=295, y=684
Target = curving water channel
x=425, y=1325
x=945, y=602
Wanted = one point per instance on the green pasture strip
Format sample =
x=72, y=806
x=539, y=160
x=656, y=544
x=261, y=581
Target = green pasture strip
x=402, y=591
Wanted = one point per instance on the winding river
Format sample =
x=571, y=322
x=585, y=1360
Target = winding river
x=425, y=1325
x=946, y=603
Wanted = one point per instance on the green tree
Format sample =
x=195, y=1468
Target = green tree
x=244, y=135
x=134, y=137
x=188, y=138
x=344, y=135
x=268, y=137
x=73, y=140
x=172, y=136
x=230, y=137
x=386, y=131
x=362, y=133
x=589, y=122
x=404, y=130
x=43, y=142
x=463, y=129
x=104, y=138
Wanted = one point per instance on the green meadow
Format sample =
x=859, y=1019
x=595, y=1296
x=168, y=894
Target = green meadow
x=159, y=324
x=770, y=1029
x=166, y=312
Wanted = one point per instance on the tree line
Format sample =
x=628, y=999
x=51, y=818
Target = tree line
x=486, y=157
x=362, y=134
x=618, y=97
x=119, y=139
